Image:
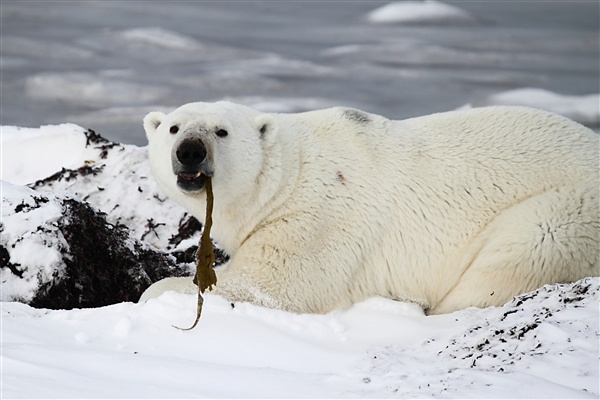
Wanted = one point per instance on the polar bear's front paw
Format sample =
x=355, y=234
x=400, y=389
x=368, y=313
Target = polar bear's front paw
x=183, y=285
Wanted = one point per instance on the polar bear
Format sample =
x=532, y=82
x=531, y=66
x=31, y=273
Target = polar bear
x=322, y=209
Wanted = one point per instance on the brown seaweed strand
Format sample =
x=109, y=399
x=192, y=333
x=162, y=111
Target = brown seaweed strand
x=205, y=257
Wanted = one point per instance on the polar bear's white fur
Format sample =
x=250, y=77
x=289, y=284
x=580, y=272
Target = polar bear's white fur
x=323, y=209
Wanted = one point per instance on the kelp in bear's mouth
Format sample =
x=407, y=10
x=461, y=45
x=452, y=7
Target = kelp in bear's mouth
x=205, y=257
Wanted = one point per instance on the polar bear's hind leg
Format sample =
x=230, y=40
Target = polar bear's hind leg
x=548, y=238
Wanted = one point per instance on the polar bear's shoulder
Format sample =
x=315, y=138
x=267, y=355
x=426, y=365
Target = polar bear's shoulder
x=338, y=120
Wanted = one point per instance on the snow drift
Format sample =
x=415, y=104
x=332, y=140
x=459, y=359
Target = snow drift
x=420, y=12
x=583, y=109
x=541, y=345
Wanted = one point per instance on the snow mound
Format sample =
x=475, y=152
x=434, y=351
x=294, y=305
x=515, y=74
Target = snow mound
x=64, y=146
x=91, y=89
x=583, y=109
x=157, y=45
x=419, y=12
x=30, y=230
x=552, y=322
x=58, y=252
x=548, y=333
x=160, y=37
x=376, y=349
x=114, y=178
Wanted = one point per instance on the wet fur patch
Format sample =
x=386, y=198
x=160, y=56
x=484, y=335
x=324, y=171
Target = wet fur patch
x=357, y=116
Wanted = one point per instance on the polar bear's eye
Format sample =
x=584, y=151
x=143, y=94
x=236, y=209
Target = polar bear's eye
x=174, y=129
x=222, y=133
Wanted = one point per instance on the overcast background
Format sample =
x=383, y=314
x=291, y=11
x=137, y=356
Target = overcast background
x=104, y=65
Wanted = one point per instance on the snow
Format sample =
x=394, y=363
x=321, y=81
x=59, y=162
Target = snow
x=112, y=178
x=89, y=89
x=121, y=184
x=583, y=109
x=39, y=249
x=161, y=38
x=376, y=349
x=418, y=12
x=540, y=345
x=26, y=150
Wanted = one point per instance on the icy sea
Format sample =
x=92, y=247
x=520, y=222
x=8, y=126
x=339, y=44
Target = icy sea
x=105, y=64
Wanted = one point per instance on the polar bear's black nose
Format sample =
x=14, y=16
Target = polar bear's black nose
x=191, y=153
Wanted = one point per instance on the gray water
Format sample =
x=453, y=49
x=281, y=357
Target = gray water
x=105, y=64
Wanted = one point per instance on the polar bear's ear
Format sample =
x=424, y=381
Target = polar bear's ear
x=265, y=125
x=152, y=121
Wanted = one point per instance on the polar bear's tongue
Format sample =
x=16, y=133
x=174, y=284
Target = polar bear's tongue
x=205, y=257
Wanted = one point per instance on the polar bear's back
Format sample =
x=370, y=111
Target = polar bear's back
x=509, y=127
x=491, y=135
x=518, y=150
x=519, y=136
x=414, y=194
x=498, y=155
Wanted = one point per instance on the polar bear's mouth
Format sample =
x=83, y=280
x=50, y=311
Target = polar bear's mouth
x=191, y=163
x=189, y=176
x=191, y=181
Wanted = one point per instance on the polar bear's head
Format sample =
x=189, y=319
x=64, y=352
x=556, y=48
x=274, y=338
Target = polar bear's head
x=224, y=141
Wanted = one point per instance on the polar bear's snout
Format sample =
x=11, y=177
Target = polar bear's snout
x=191, y=165
x=191, y=153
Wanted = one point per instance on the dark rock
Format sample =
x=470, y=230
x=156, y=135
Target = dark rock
x=103, y=144
x=103, y=264
x=188, y=227
x=67, y=175
x=5, y=262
